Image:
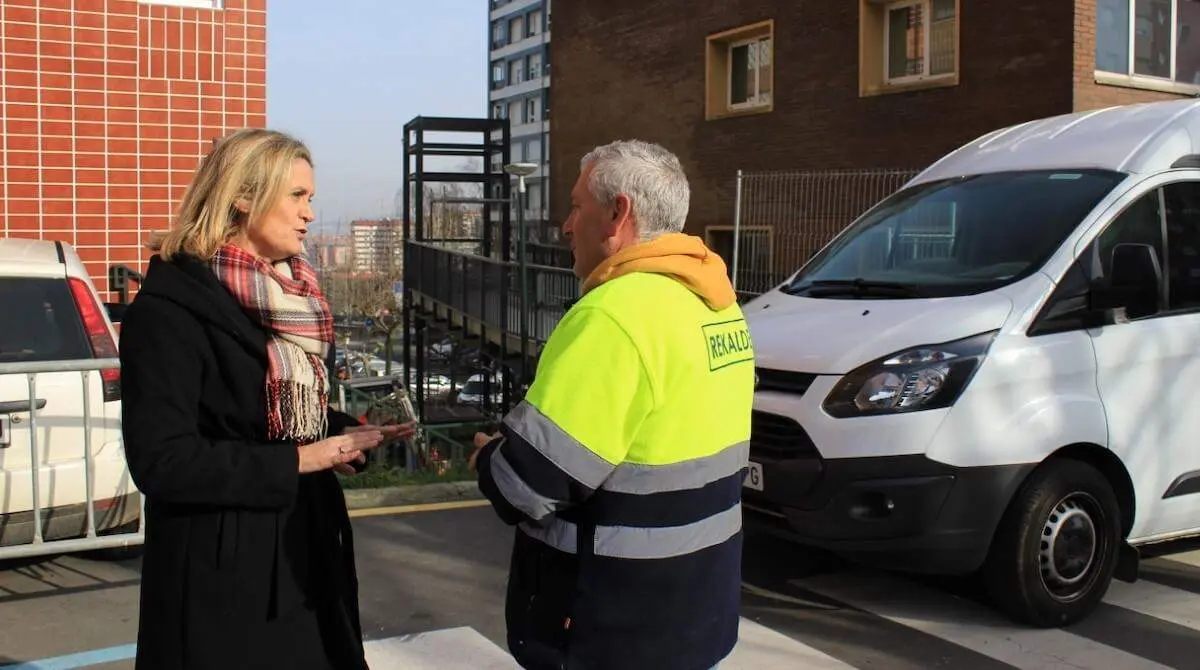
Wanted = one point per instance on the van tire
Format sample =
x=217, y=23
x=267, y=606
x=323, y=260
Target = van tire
x=1039, y=570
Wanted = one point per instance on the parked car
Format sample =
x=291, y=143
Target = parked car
x=53, y=314
x=990, y=371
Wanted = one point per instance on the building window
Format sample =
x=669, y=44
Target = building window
x=534, y=25
x=919, y=40
x=497, y=34
x=516, y=29
x=531, y=113
x=1149, y=38
x=497, y=74
x=516, y=70
x=907, y=45
x=750, y=73
x=740, y=74
x=535, y=65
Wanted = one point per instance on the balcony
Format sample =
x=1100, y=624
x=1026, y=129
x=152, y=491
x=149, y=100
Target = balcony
x=514, y=7
x=522, y=88
x=501, y=50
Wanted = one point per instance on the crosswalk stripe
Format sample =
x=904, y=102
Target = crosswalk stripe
x=1155, y=600
x=920, y=610
x=971, y=625
x=445, y=649
x=760, y=648
x=1189, y=558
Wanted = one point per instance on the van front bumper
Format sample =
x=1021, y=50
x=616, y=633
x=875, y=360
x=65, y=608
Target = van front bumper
x=906, y=513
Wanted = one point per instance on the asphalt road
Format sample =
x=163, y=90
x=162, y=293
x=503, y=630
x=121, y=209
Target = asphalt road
x=445, y=571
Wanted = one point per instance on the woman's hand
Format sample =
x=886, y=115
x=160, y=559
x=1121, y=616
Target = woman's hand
x=390, y=431
x=335, y=452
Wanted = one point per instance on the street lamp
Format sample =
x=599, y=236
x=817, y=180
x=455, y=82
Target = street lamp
x=521, y=171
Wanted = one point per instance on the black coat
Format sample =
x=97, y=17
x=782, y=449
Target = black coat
x=247, y=564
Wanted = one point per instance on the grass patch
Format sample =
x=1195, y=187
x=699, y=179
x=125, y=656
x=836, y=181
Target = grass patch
x=377, y=477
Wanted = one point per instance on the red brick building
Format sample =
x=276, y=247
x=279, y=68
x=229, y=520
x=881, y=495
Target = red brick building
x=106, y=107
x=826, y=84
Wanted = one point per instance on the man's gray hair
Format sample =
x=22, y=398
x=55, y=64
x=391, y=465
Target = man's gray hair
x=650, y=176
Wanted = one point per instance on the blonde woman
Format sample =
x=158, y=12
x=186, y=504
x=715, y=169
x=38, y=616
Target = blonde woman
x=249, y=559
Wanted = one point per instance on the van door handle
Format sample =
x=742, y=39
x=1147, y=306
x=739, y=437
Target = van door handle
x=14, y=406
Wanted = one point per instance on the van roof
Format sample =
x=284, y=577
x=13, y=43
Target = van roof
x=1133, y=139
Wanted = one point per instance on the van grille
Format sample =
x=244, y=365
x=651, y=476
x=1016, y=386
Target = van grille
x=784, y=381
x=776, y=437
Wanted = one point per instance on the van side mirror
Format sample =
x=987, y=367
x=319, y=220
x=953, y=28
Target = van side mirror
x=1134, y=282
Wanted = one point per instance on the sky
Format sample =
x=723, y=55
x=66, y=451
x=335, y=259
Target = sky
x=346, y=76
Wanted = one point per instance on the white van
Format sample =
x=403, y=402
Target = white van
x=53, y=317
x=989, y=370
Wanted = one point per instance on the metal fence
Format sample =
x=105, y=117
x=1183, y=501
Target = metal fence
x=488, y=290
x=783, y=218
x=48, y=515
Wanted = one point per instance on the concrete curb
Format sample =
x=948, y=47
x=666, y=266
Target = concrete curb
x=414, y=494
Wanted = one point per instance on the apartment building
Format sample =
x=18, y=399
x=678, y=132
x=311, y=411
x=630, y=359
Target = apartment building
x=760, y=85
x=519, y=87
x=376, y=246
x=106, y=108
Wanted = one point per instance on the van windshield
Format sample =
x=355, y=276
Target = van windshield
x=955, y=237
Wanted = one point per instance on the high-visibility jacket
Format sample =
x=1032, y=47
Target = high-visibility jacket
x=623, y=469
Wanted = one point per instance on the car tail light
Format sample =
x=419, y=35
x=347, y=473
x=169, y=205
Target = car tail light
x=102, y=342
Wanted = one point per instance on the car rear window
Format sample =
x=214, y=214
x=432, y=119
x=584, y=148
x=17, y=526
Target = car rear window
x=41, y=322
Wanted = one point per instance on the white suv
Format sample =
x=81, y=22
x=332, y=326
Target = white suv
x=53, y=314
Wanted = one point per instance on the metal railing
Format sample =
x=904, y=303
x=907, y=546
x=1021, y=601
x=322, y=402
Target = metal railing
x=487, y=289
x=39, y=465
x=782, y=218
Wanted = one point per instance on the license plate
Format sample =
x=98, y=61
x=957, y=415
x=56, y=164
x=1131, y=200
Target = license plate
x=5, y=431
x=754, y=478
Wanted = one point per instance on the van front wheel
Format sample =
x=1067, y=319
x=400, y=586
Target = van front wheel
x=1056, y=548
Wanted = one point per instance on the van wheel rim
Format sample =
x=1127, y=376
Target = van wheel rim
x=1069, y=546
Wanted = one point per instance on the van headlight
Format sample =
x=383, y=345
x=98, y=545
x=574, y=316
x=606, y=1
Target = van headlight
x=926, y=377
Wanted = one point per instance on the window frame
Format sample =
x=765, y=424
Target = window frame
x=887, y=40
x=875, y=42
x=752, y=102
x=718, y=70
x=927, y=36
x=1129, y=76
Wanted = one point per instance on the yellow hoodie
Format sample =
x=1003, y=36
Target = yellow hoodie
x=682, y=257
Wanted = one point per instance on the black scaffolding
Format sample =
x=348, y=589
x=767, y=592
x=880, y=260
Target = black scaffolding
x=425, y=138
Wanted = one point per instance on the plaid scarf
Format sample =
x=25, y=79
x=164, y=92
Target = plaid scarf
x=286, y=300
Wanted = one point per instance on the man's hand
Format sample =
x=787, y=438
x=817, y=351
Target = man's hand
x=481, y=441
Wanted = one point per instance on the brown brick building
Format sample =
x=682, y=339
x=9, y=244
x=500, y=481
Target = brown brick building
x=106, y=107
x=825, y=84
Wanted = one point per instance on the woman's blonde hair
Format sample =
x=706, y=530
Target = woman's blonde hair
x=249, y=168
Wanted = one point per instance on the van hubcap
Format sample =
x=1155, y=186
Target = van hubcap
x=1069, y=546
